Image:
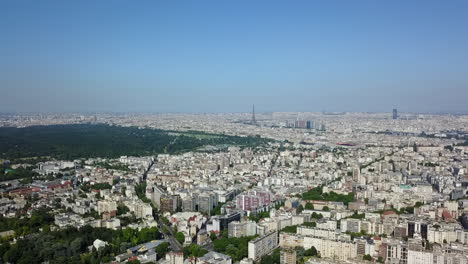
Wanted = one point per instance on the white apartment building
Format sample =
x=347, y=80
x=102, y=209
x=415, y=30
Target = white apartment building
x=291, y=240
x=263, y=245
x=106, y=206
x=240, y=229
x=143, y=210
x=424, y=257
x=336, y=249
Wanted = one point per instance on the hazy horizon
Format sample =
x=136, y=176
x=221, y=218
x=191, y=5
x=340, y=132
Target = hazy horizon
x=238, y=112
x=218, y=57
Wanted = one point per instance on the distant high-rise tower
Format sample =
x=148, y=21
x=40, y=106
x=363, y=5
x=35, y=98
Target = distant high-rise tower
x=395, y=113
x=253, y=115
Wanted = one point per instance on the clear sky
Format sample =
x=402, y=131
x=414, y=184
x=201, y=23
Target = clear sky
x=224, y=56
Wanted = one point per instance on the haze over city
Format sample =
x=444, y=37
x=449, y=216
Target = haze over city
x=212, y=56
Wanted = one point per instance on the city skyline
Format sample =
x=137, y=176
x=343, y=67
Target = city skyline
x=247, y=112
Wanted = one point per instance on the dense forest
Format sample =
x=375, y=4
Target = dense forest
x=86, y=140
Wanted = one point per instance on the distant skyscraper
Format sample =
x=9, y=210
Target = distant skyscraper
x=300, y=124
x=253, y=115
x=395, y=113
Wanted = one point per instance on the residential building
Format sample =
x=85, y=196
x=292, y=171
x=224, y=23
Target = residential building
x=263, y=245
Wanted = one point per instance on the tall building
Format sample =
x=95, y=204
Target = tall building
x=169, y=203
x=254, y=122
x=155, y=193
x=288, y=256
x=300, y=124
x=395, y=113
x=263, y=245
x=253, y=199
x=205, y=203
x=240, y=229
x=188, y=204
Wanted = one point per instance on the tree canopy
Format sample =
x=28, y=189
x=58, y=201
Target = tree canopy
x=318, y=194
x=71, y=245
x=89, y=140
x=180, y=237
x=236, y=247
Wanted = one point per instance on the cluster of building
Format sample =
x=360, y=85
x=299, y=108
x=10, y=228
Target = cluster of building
x=305, y=124
x=388, y=189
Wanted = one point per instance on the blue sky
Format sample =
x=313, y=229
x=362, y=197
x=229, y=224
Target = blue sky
x=224, y=56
